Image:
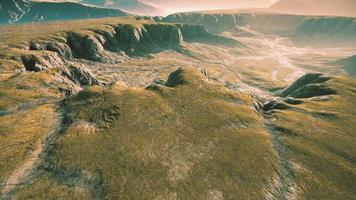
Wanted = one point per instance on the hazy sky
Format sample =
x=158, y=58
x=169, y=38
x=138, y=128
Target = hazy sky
x=171, y=6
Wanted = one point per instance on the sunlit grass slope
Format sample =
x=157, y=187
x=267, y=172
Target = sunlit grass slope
x=190, y=139
x=320, y=135
x=20, y=133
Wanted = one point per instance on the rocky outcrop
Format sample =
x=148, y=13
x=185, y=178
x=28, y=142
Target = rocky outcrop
x=85, y=46
x=303, y=81
x=176, y=78
x=281, y=104
x=275, y=105
x=133, y=40
x=147, y=38
x=62, y=49
x=136, y=40
x=41, y=61
x=82, y=76
x=309, y=85
x=213, y=23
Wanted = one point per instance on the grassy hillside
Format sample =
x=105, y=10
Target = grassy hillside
x=320, y=137
x=119, y=108
x=189, y=139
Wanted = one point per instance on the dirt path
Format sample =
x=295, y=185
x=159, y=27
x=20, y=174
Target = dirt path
x=25, y=171
x=283, y=185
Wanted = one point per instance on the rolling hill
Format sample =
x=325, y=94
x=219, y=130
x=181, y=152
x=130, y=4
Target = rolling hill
x=206, y=106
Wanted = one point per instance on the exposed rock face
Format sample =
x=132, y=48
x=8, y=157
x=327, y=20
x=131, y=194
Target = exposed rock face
x=163, y=34
x=43, y=61
x=275, y=105
x=85, y=46
x=193, y=31
x=82, y=76
x=267, y=23
x=313, y=90
x=304, y=80
x=213, y=23
x=148, y=38
x=134, y=40
x=62, y=49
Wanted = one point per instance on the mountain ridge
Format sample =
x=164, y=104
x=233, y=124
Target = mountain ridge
x=27, y=11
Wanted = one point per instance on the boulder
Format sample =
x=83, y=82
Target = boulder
x=176, y=78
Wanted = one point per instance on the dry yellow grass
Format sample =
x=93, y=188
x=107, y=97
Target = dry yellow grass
x=19, y=135
x=320, y=136
x=191, y=141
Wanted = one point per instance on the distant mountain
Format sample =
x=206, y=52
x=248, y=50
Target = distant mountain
x=25, y=11
x=135, y=6
x=316, y=7
x=13, y=10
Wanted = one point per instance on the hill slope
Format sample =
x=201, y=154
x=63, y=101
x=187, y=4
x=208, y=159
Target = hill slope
x=120, y=108
x=24, y=11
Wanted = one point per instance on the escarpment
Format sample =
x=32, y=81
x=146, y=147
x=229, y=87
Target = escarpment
x=132, y=40
x=94, y=45
x=147, y=38
x=215, y=23
x=314, y=30
x=327, y=31
x=193, y=31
